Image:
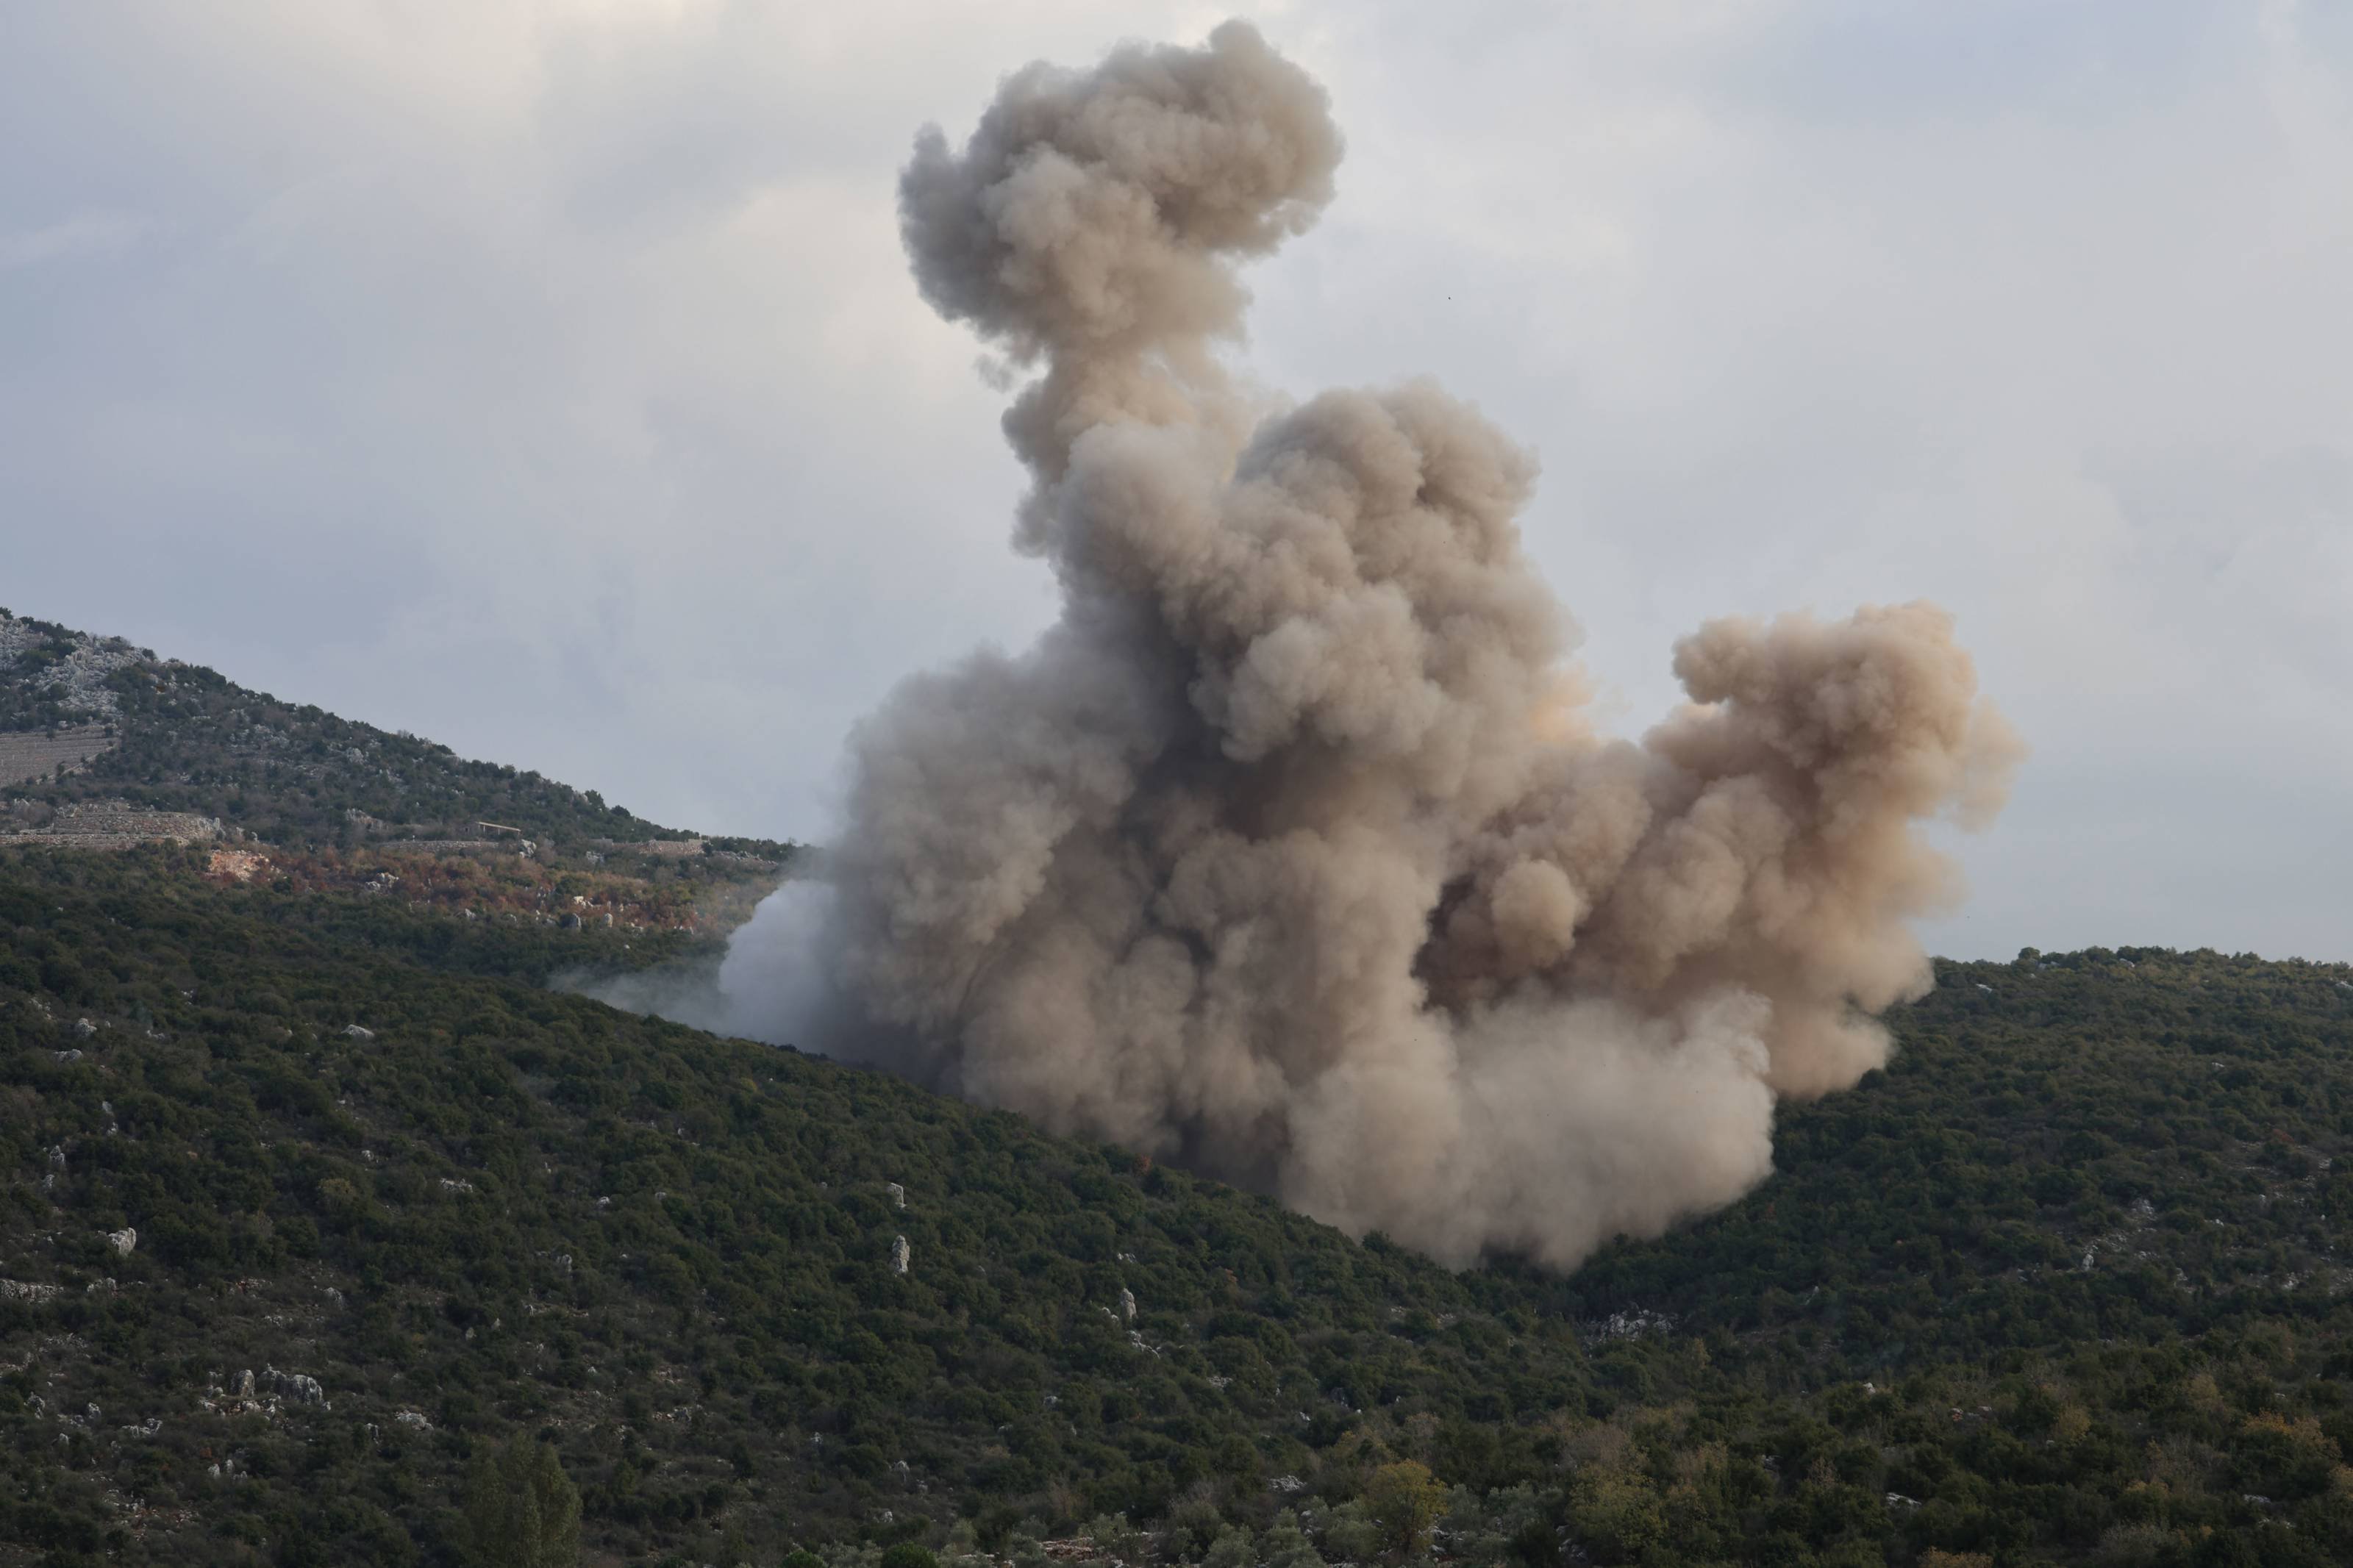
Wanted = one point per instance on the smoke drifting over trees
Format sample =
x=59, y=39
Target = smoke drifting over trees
x=1289, y=852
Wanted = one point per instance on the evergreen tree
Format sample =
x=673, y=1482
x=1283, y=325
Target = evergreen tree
x=522, y=1511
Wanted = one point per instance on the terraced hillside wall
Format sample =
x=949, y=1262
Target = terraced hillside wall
x=116, y=827
x=36, y=754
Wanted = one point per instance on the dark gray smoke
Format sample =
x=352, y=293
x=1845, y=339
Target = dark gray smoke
x=1288, y=852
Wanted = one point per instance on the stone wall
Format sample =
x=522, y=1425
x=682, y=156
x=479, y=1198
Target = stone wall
x=117, y=827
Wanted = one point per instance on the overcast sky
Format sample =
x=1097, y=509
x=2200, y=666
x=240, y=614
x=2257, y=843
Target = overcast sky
x=545, y=377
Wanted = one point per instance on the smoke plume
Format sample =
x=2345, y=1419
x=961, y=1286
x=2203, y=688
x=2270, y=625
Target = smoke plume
x=1288, y=852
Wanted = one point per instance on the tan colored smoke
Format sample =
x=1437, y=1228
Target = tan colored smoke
x=1288, y=852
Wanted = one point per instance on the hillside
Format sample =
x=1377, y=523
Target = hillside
x=310, y=1186
x=503, y=1207
x=2099, y=1145
x=85, y=717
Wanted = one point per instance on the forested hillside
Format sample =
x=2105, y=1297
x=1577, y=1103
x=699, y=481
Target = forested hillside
x=2096, y=1145
x=314, y=1191
x=496, y=1205
x=2061, y=1285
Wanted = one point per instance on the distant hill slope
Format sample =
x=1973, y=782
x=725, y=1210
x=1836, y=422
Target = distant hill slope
x=499, y=1208
x=185, y=738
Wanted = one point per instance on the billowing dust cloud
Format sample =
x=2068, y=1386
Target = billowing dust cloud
x=1289, y=852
